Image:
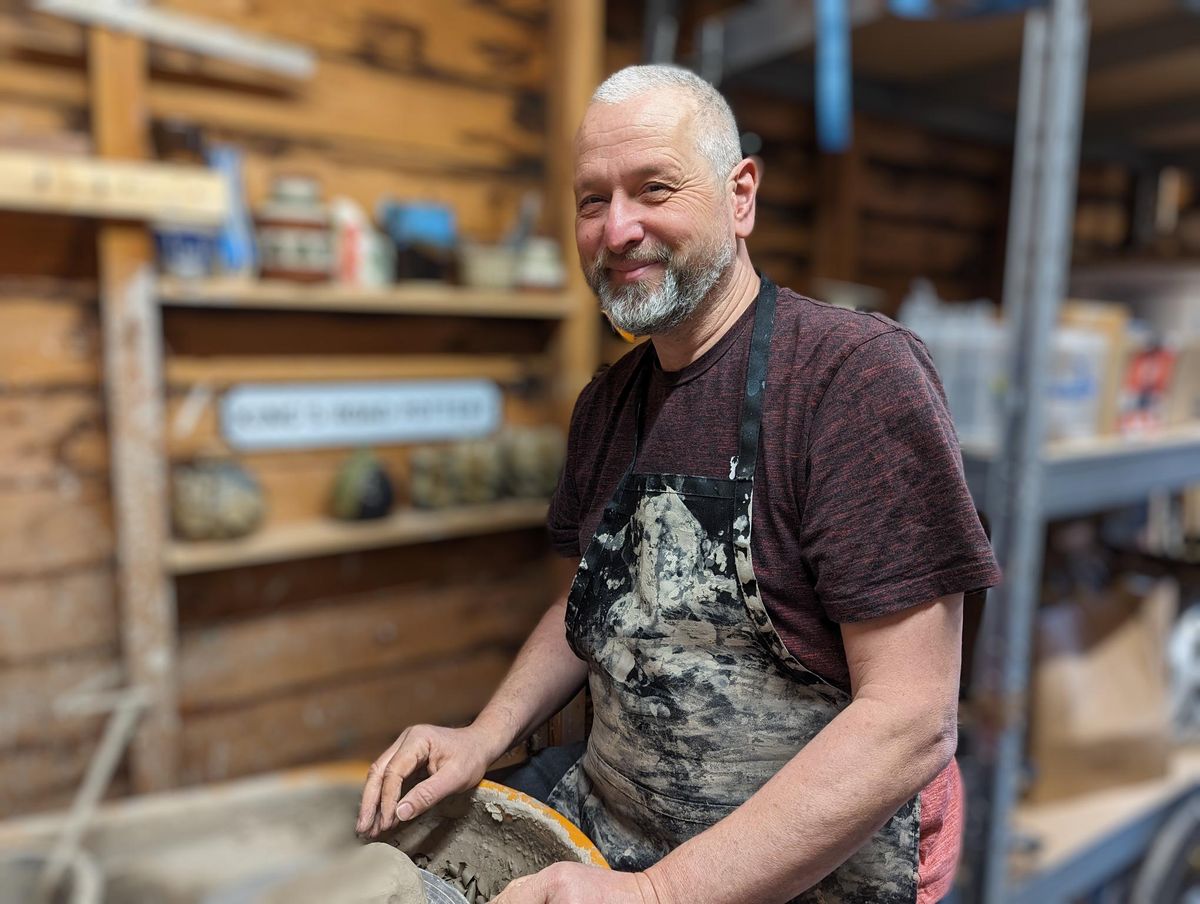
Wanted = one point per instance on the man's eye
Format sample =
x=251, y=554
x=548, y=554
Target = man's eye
x=589, y=201
x=655, y=188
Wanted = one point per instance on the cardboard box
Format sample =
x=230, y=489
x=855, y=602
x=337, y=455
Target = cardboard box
x=1100, y=710
x=1183, y=398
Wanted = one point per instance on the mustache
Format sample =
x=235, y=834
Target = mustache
x=649, y=254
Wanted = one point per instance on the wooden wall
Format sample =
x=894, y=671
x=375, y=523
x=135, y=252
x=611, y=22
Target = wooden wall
x=316, y=659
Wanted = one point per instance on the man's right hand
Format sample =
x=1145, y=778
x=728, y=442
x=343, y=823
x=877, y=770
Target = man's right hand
x=456, y=759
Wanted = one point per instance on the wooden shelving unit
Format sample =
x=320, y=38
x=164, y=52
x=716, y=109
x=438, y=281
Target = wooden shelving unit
x=320, y=538
x=421, y=298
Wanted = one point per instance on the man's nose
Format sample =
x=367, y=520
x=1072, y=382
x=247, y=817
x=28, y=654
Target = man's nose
x=623, y=226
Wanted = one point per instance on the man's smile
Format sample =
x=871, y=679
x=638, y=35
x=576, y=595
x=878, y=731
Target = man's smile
x=631, y=272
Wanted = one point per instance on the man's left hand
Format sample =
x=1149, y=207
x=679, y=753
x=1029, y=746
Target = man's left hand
x=574, y=883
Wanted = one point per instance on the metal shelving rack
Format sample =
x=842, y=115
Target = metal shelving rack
x=1025, y=484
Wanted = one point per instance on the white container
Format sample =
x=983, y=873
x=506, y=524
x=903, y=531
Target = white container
x=1074, y=384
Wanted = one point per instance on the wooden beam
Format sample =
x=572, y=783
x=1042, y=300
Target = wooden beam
x=577, y=39
x=49, y=183
x=133, y=358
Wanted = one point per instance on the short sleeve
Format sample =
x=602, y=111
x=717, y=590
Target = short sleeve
x=566, y=506
x=563, y=520
x=887, y=521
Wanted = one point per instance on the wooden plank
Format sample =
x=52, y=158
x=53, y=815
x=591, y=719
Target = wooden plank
x=44, y=529
x=431, y=299
x=328, y=537
x=920, y=250
x=577, y=42
x=223, y=371
x=47, y=183
x=30, y=779
x=900, y=144
x=1104, y=180
x=33, y=126
x=48, y=344
x=208, y=598
x=932, y=198
x=836, y=229
x=777, y=235
x=771, y=119
x=58, y=614
x=453, y=40
x=444, y=126
x=201, y=333
x=46, y=437
x=132, y=358
x=789, y=177
x=40, y=244
x=353, y=719
x=354, y=636
x=28, y=694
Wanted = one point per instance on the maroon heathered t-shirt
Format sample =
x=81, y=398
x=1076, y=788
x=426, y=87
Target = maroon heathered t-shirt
x=860, y=506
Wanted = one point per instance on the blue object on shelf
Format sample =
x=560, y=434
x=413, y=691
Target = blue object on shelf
x=188, y=252
x=235, y=249
x=418, y=223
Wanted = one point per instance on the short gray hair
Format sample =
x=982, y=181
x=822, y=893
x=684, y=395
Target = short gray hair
x=717, y=137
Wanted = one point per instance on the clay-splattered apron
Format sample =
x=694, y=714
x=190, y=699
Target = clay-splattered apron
x=697, y=702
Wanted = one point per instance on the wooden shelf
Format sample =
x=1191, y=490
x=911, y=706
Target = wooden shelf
x=1094, y=834
x=320, y=538
x=228, y=370
x=425, y=298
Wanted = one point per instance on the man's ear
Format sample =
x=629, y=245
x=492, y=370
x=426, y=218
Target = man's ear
x=744, y=181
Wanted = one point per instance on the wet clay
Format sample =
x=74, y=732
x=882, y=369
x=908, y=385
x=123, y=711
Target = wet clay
x=373, y=874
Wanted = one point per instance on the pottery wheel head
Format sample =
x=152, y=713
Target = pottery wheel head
x=439, y=891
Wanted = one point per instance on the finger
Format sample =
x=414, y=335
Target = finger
x=424, y=795
x=374, y=784
x=410, y=756
x=525, y=890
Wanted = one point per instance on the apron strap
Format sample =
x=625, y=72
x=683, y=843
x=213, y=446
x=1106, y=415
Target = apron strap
x=756, y=382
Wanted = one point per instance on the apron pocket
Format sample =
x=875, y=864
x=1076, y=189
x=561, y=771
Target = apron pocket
x=693, y=812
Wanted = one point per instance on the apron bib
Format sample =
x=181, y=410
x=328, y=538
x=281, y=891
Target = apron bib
x=696, y=700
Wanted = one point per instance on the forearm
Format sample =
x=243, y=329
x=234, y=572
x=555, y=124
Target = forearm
x=814, y=813
x=544, y=677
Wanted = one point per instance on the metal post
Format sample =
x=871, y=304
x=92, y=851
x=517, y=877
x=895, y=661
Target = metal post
x=1038, y=256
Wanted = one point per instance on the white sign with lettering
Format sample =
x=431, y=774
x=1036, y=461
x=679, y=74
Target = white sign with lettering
x=317, y=415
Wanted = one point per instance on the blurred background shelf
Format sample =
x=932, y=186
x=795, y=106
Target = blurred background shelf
x=1088, y=839
x=433, y=299
x=320, y=538
x=1092, y=475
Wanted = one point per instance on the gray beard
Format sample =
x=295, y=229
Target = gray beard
x=643, y=310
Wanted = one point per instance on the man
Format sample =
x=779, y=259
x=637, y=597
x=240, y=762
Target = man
x=775, y=539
